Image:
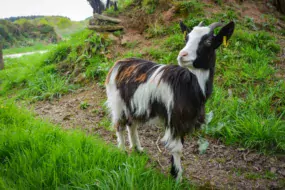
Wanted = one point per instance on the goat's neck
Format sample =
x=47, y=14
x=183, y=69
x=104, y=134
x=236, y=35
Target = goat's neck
x=204, y=77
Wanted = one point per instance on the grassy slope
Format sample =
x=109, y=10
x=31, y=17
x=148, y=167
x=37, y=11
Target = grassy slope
x=37, y=155
x=63, y=31
x=248, y=105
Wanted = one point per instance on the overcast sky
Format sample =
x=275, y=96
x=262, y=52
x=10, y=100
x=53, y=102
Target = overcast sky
x=74, y=9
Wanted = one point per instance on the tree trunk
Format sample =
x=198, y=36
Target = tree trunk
x=1, y=58
x=280, y=5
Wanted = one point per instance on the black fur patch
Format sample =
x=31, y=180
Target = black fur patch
x=188, y=99
x=173, y=170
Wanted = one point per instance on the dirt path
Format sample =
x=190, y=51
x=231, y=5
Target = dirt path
x=221, y=167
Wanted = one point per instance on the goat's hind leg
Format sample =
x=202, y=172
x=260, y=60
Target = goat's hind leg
x=176, y=151
x=134, y=137
x=174, y=145
x=120, y=129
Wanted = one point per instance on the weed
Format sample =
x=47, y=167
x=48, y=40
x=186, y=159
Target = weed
x=249, y=22
x=253, y=176
x=155, y=30
x=118, y=33
x=132, y=44
x=186, y=7
x=84, y=105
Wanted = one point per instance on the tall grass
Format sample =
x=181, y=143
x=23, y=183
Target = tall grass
x=37, y=155
x=30, y=78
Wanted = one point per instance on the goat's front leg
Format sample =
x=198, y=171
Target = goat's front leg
x=120, y=136
x=175, y=146
x=134, y=137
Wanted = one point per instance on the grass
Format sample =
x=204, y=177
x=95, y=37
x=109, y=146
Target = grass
x=35, y=154
x=38, y=77
x=31, y=79
x=36, y=47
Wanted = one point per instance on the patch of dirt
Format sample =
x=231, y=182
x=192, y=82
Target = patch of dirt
x=222, y=167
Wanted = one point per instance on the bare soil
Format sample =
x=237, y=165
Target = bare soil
x=221, y=167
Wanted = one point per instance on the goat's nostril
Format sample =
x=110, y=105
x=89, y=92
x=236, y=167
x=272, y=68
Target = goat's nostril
x=183, y=54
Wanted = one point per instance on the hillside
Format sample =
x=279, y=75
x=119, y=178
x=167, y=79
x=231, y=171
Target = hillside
x=25, y=33
x=241, y=147
x=18, y=32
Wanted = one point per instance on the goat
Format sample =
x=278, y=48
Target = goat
x=139, y=90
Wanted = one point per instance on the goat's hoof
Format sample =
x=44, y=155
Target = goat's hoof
x=139, y=149
x=178, y=179
x=122, y=147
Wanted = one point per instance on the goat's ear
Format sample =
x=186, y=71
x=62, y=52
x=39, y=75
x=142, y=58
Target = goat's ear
x=224, y=34
x=184, y=28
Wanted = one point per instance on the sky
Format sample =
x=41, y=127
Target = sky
x=74, y=9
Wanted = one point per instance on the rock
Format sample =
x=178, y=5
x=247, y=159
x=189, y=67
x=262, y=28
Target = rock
x=67, y=117
x=282, y=172
x=109, y=28
x=273, y=170
x=106, y=18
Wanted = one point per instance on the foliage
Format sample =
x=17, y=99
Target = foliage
x=24, y=33
x=187, y=7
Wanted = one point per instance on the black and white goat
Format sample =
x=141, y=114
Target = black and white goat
x=139, y=90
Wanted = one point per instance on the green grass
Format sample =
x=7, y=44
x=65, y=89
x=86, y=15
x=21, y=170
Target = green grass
x=36, y=47
x=40, y=77
x=37, y=155
x=30, y=78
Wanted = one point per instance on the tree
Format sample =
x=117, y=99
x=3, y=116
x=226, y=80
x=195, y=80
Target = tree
x=280, y=5
x=1, y=58
x=96, y=5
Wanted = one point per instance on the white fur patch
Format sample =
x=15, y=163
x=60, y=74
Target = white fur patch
x=149, y=92
x=114, y=101
x=134, y=137
x=202, y=76
x=121, y=140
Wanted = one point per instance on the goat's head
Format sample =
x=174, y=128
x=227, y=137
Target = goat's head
x=201, y=43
